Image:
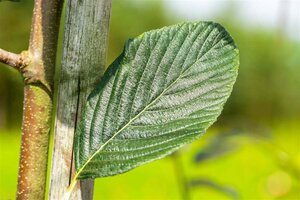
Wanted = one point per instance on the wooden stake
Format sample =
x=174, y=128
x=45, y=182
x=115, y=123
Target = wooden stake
x=83, y=63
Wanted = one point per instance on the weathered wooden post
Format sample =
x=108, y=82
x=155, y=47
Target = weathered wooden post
x=83, y=63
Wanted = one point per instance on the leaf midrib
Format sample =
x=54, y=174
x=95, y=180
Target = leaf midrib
x=144, y=109
x=125, y=126
x=129, y=122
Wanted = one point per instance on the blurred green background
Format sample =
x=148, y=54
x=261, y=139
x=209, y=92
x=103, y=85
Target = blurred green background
x=252, y=152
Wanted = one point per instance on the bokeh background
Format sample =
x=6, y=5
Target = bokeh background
x=252, y=152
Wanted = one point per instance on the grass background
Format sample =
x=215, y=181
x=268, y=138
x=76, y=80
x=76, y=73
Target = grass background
x=261, y=168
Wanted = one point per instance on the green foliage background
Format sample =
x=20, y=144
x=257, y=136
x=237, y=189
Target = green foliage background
x=264, y=105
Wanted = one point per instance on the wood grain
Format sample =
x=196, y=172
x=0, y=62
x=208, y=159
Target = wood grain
x=83, y=63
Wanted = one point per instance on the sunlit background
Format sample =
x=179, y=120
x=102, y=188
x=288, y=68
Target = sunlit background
x=252, y=152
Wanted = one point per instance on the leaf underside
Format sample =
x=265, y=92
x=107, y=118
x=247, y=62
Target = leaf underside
x=166, y=88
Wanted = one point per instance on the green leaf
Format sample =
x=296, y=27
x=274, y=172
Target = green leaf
x=166, y=88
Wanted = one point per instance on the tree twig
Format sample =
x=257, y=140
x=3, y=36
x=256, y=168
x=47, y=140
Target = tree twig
x=16, y=61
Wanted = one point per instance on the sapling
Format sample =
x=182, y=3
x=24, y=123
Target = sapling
x=164, y=91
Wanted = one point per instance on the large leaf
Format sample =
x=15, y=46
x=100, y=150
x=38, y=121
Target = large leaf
x=167, y=87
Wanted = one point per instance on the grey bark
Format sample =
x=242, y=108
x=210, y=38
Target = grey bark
x=83, y=63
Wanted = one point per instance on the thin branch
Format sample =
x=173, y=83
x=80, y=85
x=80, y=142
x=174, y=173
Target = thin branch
x=16, y=61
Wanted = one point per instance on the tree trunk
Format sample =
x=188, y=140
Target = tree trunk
x=37, y=66
x=82, y=66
